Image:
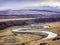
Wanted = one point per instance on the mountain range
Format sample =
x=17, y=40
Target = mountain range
x=36, y=12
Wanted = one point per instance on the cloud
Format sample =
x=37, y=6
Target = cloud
x=29, y=3
x=19, y=4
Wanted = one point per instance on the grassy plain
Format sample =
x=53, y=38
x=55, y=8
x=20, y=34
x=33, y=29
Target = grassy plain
x=29, y=38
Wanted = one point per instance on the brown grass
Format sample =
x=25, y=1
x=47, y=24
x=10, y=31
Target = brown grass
x=55, y=27
x=3, y=20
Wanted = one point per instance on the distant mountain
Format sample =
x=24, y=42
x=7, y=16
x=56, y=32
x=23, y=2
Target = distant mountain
x=45, y=8
x=36, y=12
x=31, y=10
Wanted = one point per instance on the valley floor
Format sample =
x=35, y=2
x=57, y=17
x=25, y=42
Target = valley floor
x=30, y=39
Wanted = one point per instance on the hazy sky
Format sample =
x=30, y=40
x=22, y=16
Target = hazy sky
x=21, y=4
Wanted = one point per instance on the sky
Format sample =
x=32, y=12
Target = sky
x=22, y=4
